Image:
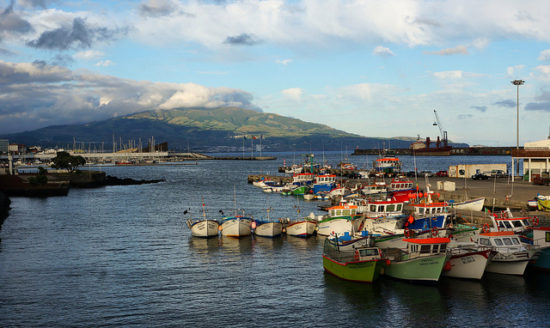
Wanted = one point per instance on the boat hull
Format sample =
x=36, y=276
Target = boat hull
x=205, y=228
x=335, y=226
x=236, y=227
x=471, y=205
x=269, y=229
x=301, y=228
x=543, y=260
x=417, y=269
x=468, y=265
x=359, y=271
x=516, y=267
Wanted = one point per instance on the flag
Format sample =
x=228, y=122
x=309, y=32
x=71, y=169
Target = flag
x=254, y=137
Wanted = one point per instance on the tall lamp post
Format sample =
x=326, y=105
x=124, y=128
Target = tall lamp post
x=517, y=83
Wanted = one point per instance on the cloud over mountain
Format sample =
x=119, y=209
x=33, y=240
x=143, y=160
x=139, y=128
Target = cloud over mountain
x=37, y=94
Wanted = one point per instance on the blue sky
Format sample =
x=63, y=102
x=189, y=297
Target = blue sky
x=374, y=68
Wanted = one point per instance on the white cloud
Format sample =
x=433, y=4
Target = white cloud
x=293, y=93
x=514, y=71
x=383, y=51
x=480, y=43
x=88, y=54
x=447, y=75
x=283, y=62
x=104, y=63
x=544, y=55
x=458, y=50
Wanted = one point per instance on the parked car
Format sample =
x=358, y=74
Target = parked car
x=498, y=174
x=442, y=174
x=480, y=176
x=410, y=173
x=425, y=173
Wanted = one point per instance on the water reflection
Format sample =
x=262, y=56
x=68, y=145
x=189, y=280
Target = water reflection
x=304, y=245
x=268, y=245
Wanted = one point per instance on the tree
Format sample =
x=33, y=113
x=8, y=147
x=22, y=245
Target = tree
x=64, y=160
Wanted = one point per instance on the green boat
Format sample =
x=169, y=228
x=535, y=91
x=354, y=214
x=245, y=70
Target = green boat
x=361, y=264
x=300, y=191
x=423, y=260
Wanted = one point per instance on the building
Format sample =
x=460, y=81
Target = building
x=4, y=146
x=535, y=156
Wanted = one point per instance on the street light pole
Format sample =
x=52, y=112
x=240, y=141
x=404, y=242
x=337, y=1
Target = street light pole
x=517, y=83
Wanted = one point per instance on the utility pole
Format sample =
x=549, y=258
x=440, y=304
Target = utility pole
x=517, y=83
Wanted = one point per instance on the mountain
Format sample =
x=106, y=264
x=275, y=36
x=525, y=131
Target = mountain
x=203, y=130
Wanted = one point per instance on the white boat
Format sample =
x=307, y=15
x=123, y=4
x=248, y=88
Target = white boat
x=510, y=255
x=236, y=226
x=475, y=204
x=468, y=260
x=267, y=228
x=203, y=227
x=336, y=226
x=301, y=227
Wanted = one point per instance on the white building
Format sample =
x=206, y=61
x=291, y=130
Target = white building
x=535, y=156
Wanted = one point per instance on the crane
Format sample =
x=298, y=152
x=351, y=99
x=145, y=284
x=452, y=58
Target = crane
x=442, y=132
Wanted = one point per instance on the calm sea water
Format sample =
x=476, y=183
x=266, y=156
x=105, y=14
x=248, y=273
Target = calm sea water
x=123, y=256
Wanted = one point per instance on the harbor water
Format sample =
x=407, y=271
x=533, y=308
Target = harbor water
x=123, y=256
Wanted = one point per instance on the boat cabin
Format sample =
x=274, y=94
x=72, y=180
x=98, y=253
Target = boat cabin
x=302, y=178
x=505, y=221
x=376, y=188
x=426, y=246
x=384, y=208
x=387, y=164
x=501, y=239
x=541, y=237
x=426, y=209
x=396, y=185
x=342, y=210
x=325, y=179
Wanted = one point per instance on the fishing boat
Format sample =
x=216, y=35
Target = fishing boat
x=300, y=179
x=267, y=228
x=541, y=243
x=337, y=226
x=324, y=183
x=468, y=260
x=510, y=256
x=387, y=164
x=203, y=227
x=385, y=208
x=236, y=226
x=304, y=227
x=475, y=204
x=422, y=260
x=428, y=215
x=401, y=185
x=378, y=187
x=506, y=221
x=360, y=264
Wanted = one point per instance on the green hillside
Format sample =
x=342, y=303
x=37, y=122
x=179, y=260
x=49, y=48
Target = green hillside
x=240, y=121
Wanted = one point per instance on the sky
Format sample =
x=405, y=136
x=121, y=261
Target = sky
x=369, y=67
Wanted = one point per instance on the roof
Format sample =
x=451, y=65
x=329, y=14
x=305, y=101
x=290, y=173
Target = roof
x=438, y=240
x=343, y=207
x=498, y=233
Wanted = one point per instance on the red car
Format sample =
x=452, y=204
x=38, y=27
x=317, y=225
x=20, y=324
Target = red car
x=442, y=174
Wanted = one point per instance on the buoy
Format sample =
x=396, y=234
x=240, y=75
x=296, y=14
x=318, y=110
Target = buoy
x=388, y=262
x=253, y=225
x=448, y=266
x=220, y=228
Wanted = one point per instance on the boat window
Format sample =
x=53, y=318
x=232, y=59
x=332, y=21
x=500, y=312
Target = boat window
x=547, y=237
x=498, y=242
x=373, y=208
x=507, y=224
x=517, y=224
x=382, y=208
x=526, y=222
x=515, y=241
x=501, y=224
x=435, y=249
x=421, y=210
x=390, y=208
x=507, y=241
x=425, y=249
x=443, y=248
x=439, y=210
x=484, y=241
x=399, y=206
x=369, y=252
